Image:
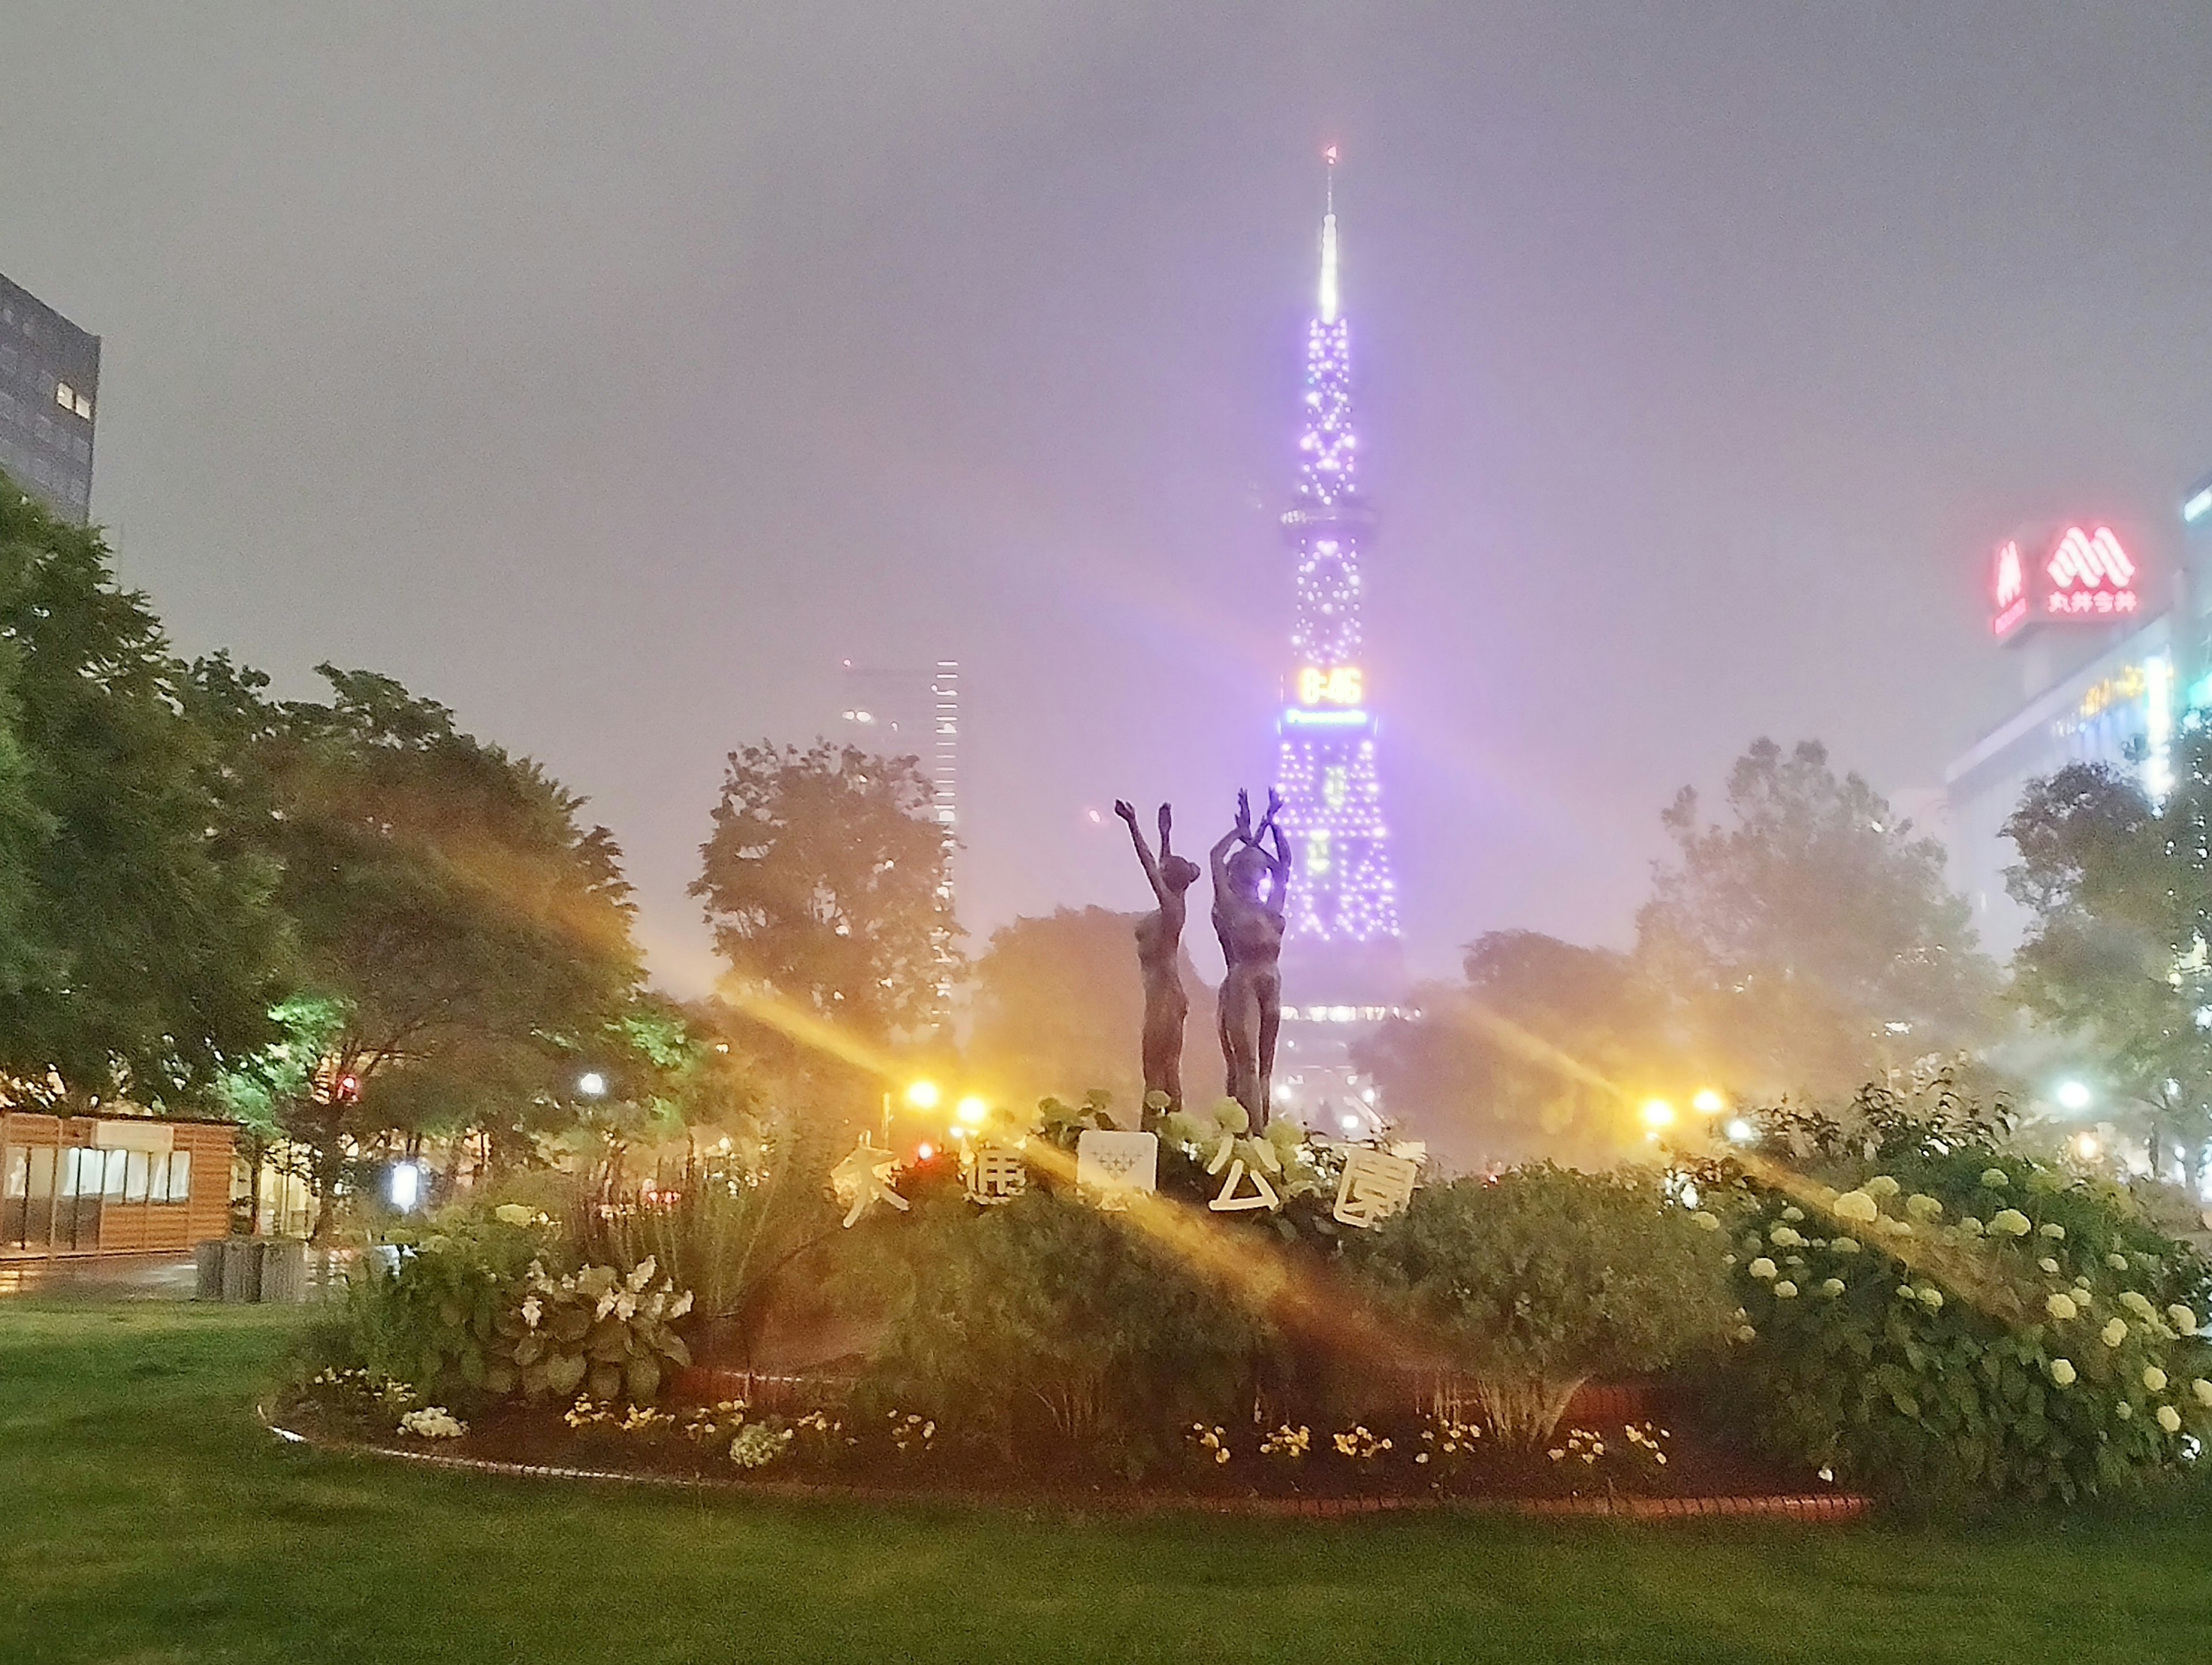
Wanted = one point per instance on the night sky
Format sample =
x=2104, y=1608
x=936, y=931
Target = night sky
x=611, y=373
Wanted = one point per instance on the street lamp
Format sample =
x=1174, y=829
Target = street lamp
x=592, y=1085
x=1708, y=1103
x=1658, y=1113
x=923, y=1096
x=973, y=1111
x=2073, y=1095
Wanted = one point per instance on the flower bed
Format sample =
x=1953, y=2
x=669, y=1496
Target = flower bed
x=1409, y=1457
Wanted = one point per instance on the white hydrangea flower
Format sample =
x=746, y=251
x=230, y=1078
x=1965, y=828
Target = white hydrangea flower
x=2061, y=1308
x=2153, y=1378
x=2048, y=1265
x=1856, y=1206
x=1784, y=1290
x=1793, y=1214
x=1785, y=1237
x=2114, y=1333
x=1881, y=1185
x=1745, y=1332
x=2183, y=1320
x=2123, y=1410
x=1923, y=1207
x=2116, y=1261
x=2052, y=1229
x=1996, y=1178
x=2062, y=1372
x=1832, y=1287
x=1929, y=1296
x=2010, y=1223
x=1762, y=1267
x=2169, y=1419
x=1970, y=1225
x=2137, y=1302
x=1706, y=1220
x=2203, y=1390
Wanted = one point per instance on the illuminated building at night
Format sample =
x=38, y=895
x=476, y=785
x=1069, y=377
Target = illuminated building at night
x=2112, y=646
x=1342, y=965
x=909, y=713
x=49, y=380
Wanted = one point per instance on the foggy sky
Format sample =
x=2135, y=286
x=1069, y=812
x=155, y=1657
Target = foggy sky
x=612, y=373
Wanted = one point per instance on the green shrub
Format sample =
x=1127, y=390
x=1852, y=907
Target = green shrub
x=428, y=1317
x=612, y=1336
x=1046, y=1317
x=1541, y=1278
x=1947, y=1323
x=467, y=1309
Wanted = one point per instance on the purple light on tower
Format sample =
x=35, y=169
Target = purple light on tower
x=1342, y=897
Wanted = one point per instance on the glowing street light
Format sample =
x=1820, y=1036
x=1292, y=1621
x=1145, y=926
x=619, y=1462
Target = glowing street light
x=1708, y=1103
x=973, y=1111
x=923, y=1096
x=2073, y=1095
x=592, y=1085
x=2087, y=1147
x=1740, y=1131
x=1658, y=1113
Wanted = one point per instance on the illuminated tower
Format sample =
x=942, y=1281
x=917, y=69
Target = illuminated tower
x=1343, y=939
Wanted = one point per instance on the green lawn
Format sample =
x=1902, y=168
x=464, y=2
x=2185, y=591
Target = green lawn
x=145, y=1517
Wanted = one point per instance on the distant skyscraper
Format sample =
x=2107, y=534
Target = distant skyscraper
x=911, y=712
x=1343, y=901
x=49, y=383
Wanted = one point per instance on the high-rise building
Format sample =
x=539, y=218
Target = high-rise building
x=909, y=713
x=1343, y=966
x=49, y=386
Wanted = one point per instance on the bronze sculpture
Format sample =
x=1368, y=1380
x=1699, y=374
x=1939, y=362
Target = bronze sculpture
x=1248, y=891
x=1160, y=952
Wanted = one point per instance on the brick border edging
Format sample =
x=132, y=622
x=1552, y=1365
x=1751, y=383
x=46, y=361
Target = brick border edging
x=1811, y=1506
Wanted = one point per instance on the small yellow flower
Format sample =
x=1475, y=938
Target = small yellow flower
x=2169, y=1419
x=2062, y=1372
x=2114, y=1333
x=2153, y=1378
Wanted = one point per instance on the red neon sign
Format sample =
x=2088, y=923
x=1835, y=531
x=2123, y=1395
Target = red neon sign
x=2085, y=576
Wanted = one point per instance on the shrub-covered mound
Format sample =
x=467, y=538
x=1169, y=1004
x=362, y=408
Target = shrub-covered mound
x=1926, y=1316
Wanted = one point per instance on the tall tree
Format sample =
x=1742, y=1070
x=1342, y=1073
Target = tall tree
x=473, y=932
x=1546, y=1049
x=137, y=956
x=2118, y=956
x=1059, y=1009
x=825, y=883
x=1809, y=935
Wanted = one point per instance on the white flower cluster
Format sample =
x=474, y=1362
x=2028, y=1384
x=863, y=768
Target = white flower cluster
x=433, y=1422
x=758, y=1444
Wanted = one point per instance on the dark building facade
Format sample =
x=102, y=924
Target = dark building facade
x=49, y=393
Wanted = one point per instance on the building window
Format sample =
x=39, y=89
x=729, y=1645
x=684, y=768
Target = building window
x=64, y=396
x=180, y=1175
x=134, y=1174
x=83, y=407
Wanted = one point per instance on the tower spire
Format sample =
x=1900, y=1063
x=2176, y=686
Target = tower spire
x=1328, y=297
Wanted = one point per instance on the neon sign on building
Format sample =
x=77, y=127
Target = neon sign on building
x=2083, y=576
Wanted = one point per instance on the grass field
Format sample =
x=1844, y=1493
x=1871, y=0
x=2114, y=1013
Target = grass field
x=145, y=1517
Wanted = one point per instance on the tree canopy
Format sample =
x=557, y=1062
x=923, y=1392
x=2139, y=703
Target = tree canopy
x=134, y=957
x=471, y=933
x=1810, y=936
x=825, y=883
x=1059, y=1009
x=1544, y=1049
x=2116, y=958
